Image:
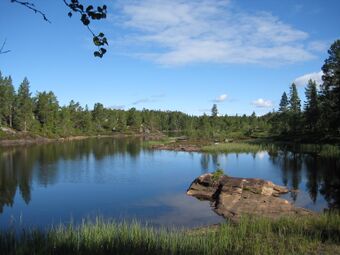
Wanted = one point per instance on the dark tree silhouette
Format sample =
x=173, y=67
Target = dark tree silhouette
x=2, y=51
x=87, y=13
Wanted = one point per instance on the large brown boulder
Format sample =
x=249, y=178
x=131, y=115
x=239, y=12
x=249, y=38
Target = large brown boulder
x=232, y=197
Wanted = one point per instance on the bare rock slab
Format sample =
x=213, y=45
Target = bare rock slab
x=232, y=197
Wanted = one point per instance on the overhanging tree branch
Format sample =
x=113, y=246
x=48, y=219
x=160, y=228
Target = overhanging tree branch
x=2, y=51
x=90, y=13
x=86, y=14
x=32, y=7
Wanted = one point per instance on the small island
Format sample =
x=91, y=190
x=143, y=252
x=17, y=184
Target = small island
x=233, y=197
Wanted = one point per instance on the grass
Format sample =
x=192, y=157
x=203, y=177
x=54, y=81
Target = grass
x=153, y=143
x=322, y=150
x=325, y=150
x=217, y=174
x=311, y=235
x=233, y=148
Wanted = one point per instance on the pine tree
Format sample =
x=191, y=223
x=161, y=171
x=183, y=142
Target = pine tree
x=330, y=90
x=99, y=117
x=24, y=117
x=133, y=118
x=214, y=111
x=65, y=124
x=46, y=111
x=86, y=120
x=294, y=100
x=311, y=107
x=294, y=109
x=284, y=103
x=7, y=97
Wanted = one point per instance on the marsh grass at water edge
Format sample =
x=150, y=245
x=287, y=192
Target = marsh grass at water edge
x=322, y=150
x=311, y=235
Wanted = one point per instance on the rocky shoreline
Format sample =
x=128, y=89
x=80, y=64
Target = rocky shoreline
x=232, y=197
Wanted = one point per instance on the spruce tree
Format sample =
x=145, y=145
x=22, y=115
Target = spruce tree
x=7, y=97
x=311, y=107
x=24, y=117
x=294, y=100
x=214, y=111
x=284, y=103
x=294, y=109
x=46, y=111
x=86, y=120
x=98, y=114
x=330, y=90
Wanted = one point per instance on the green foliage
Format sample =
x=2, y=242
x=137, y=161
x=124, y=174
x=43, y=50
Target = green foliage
x=217, y=174
x=46, y=111
x=330, y=91
x=310, y=235
x=320, y=120
x=7, y=97
x=312, y=111
x=294, y=100
x=23, y=113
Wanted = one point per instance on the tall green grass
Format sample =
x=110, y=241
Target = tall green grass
x=153, y=143
x=233, y=148
x=310, y=235
x=322, y=150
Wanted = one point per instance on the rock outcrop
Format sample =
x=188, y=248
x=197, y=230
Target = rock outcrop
x=232, y=197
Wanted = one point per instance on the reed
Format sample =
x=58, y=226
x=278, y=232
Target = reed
x=154, y=143
x=318, y=234
x=233, y=148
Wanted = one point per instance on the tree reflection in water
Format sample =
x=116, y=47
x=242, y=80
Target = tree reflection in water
x=21, y=166
x=18, y=164
x=322, y=174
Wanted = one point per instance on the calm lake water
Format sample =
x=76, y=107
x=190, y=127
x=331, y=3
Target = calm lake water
x=118, y=179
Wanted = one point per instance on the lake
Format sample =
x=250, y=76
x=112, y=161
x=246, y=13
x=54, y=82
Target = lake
x=121, y=179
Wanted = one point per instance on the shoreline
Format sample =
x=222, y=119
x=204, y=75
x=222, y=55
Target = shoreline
x=158, y=141
x=45, y=140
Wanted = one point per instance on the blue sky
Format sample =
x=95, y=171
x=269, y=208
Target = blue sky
x=173, y=54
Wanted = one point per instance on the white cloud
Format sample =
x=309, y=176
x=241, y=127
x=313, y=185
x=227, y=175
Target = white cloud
x=262, y=103
x=176, y=32
x=221, y=98
x=320, y=46
x=303, y=80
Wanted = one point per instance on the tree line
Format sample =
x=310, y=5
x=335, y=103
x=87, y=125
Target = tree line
x=319, y=117
x=41, y=114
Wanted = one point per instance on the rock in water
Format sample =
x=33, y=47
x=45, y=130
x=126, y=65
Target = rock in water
x=232, y=197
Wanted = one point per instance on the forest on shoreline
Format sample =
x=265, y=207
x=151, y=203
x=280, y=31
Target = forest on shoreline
x=317, y=120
